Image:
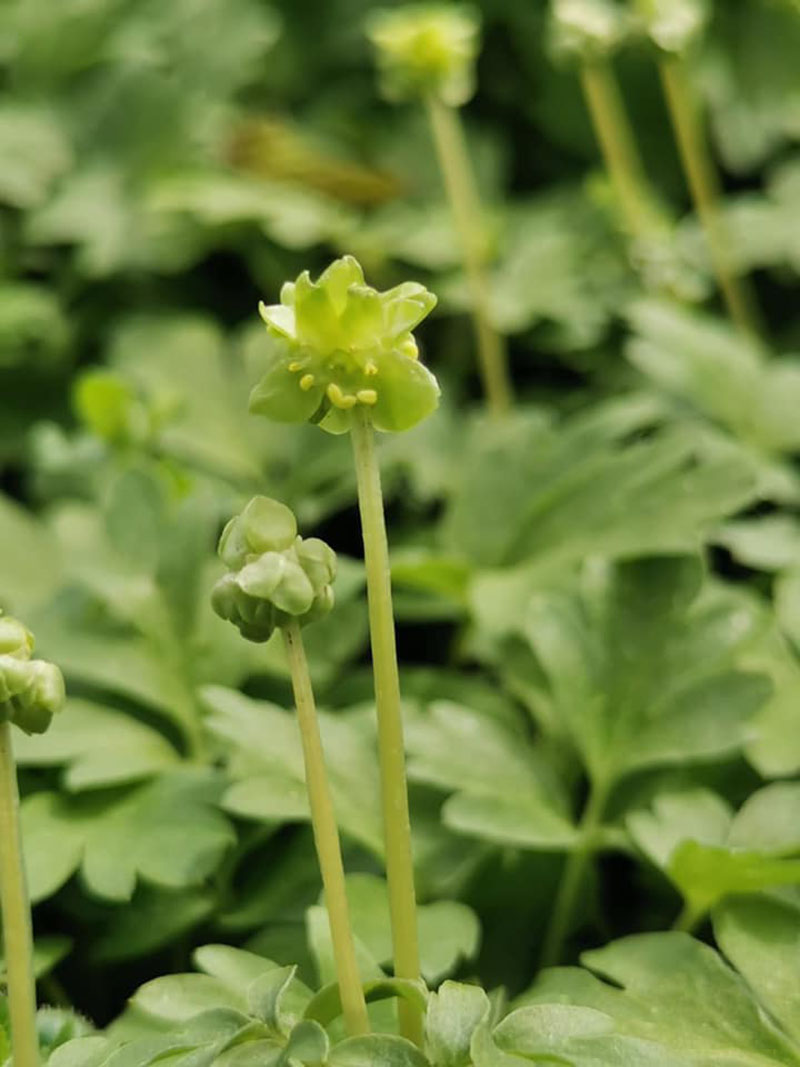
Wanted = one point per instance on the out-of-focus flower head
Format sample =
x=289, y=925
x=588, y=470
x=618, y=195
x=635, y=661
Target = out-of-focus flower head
x=426, y=49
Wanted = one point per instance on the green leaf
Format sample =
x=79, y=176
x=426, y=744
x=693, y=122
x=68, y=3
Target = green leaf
x=166, y=831
x=560, y=494
x=99, y=746
x=641, y=670
x=150, y=921
x=709, y=855
x=376, y=1050
x=726, y=376
x=35, y=153
x=326, y=1005
x=761, y=937
x=503, y=789
x=449, y=932
x=176, y=998
x=32, y=325
x=266, y=762
x=675, y=992
x=454, y=1013
x=31, y=558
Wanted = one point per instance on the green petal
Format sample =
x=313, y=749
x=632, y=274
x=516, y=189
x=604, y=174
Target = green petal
x=295, y=593
x=268, y=525
x=336, y=421
x=261, y=577
x=406, y=306
x=337, y=279
x=407, y=393
x=279, y=318
x=278, y=396
x=362, y=318
x=317, y=321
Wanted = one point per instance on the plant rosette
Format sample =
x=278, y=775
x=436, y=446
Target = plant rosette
x=426, y=50
x=340, y=345
x=31, y=690
x=275, y=576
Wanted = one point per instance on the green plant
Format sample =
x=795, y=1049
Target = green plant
x=346, y=358
x=428, y=54
x=599, y=587
x=279, y=579
x=32, y=693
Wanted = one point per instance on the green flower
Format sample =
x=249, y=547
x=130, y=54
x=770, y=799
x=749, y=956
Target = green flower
x=275, y=576
x=338, y=344
x=588, y=29
x=426, y=49
x=31, y=690
x=674, y=24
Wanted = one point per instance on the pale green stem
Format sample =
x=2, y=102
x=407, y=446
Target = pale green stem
x=572, y=877
x=391, y=752
x=17, y=934
x=615, y=136
x=704, y=187
x=326, y=838
x=451, y=149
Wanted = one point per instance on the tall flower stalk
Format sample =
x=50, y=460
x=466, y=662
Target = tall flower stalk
x=343, y=356
x=277, y=579
x=427, y=53
x=587, y=33
x=31, y=692
x=391, y=749
x=673, y=26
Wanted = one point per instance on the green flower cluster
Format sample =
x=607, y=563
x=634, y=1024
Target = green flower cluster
x=31, y=690
x=275, y=576
x=339, y=345
x=426, y=50
x=588, y=29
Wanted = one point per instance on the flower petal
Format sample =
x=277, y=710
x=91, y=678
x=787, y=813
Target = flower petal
x=407, y=393
x=278, y=396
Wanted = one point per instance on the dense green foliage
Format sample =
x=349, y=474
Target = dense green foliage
x=597, y=595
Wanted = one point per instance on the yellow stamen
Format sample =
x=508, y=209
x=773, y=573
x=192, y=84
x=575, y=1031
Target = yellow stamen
x=367, y=396
x=370, y=369
x=295, y=365
x=306, y=382
x=338, y=398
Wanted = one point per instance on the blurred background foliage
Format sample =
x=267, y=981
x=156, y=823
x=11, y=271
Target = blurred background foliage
x=163, y=166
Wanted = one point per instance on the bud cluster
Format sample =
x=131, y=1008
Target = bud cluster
x=275, y=576
x=31, y=690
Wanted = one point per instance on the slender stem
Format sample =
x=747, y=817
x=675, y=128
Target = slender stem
x=326, y=837
x=391, y=753
x=704, y=187
x=618, y=145
x=17, y=934
x=572, y=877
x=451, y=149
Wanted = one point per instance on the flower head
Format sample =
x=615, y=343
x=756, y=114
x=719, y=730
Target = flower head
x=426, y=49
x=31, y=690
x=673, y=25
x=275, y=576
x=339, y=344
x=588, y=29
